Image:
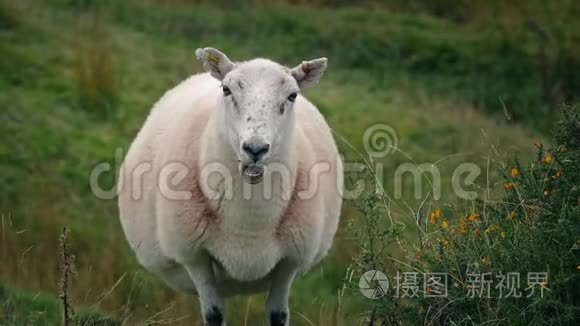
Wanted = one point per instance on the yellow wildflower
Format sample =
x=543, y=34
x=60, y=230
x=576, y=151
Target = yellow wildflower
x=515, y=172
x=547, y=158
x=473, y=217
x=485, y=260
x=444, y=224
x=503, y=234
x=434, y=216
x=492, y=228
x=419, y=253
x=508, y=186
x=462, y=227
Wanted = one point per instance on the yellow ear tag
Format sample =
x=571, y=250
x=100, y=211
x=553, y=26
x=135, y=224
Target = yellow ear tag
x=213, y=59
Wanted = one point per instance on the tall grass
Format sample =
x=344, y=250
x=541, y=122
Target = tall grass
x=95, y=68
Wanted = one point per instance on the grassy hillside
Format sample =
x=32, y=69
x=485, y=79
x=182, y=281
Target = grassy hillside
x=77, y=79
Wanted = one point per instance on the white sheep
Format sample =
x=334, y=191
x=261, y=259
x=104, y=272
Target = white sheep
x=233, y=187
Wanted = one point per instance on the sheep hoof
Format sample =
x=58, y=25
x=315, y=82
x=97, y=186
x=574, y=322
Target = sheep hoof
x=214, y=317
x=278, y=318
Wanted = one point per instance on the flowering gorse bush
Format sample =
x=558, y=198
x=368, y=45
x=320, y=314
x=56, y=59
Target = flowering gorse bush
x=511, y=260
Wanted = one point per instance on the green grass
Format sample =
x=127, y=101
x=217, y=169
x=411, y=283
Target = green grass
x=28, y=308
x=77, y=79
x=493, y=65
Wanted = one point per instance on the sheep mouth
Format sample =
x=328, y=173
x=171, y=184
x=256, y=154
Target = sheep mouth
x=253, y=174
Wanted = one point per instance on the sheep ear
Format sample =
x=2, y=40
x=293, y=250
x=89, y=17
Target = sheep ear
x=214, y=62
x=309, y=72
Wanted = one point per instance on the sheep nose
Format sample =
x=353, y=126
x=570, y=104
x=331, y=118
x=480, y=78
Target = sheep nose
x=255, y=149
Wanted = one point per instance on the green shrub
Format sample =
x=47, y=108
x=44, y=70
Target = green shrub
x=533, y=227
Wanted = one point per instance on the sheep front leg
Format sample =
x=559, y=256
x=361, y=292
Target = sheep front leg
x=277, y=310
x=211, y=301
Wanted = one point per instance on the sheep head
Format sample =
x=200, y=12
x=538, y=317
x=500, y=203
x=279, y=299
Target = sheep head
x=258, y=99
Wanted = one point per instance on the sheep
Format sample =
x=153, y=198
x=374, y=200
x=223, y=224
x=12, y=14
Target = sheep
x=233, y=185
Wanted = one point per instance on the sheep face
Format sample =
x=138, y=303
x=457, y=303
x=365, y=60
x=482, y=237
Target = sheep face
x=257, y=102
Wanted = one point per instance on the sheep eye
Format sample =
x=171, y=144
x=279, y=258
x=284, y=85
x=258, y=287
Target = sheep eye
x=292, y=97
x=226, y=91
